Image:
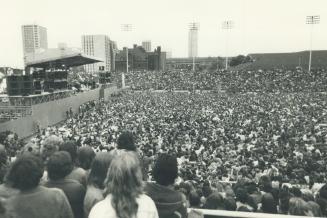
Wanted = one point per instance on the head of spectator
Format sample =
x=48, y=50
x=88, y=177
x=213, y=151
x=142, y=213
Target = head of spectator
x=99, y=169
x=298, y=207
x=126, y=141
x=71, y=148
x=268, y=204
x=59, y=165
x=241, y=195
x=50, y=145
x=230, y=203
x=307, y=195
x=124, y=183
x=26, y=172
x=85, y=157
x=194, y=199
x=214, y=201
x=3, y=162
x=165, y=169
x=314, y=208
x=284, y=198
x=265, y=184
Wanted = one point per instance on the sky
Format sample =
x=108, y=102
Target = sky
x=260, y=26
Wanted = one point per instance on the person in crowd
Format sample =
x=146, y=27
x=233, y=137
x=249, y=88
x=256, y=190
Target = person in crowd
x=85, y=156
x=3, y=163
x=299, y=207
x=59, y=166
x=33, y=200
x=268, y=204
x=96, y=187
x=124, y=188
x=243, y=200
x=169, y=202
x=214, y=202
x=78, y=173
x=194, y=199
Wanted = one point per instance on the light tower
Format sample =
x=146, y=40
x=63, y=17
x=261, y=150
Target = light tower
x=312, y=20
x=193, y=41
x=126, y=28
x=227, y=25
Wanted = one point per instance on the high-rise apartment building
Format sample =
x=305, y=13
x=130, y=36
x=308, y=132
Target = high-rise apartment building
x=101, y=47
x=147, y=45
x=193, y=40
x=34, y=39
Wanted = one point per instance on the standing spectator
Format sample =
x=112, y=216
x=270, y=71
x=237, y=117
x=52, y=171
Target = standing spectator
x=59, y=166
x=96, y=186
x=78, y=173
x=85, y=156
x=124, y=185
x=169, y=202
x=33, y=200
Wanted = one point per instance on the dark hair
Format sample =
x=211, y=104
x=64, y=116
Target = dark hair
x=85, y=157
x=268, y=203
x=71, y=148
x=26, y=172
x=230, y=204
x=265, y=183
x=194, y=199
x=165, y=169
x=59, y=165
x=126, y=141
x=214, y=201
x=99, y=169
x=241, y=195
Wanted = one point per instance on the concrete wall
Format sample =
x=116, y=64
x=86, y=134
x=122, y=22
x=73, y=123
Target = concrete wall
x=50, y=113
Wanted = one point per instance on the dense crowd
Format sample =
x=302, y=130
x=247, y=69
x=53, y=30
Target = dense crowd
x=277, y=80
x=157, y=153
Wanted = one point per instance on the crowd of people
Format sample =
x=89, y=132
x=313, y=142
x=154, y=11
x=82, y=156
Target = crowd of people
x=277, y=80
x=155, y=154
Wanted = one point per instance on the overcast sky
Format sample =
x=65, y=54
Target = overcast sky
x=260, y=25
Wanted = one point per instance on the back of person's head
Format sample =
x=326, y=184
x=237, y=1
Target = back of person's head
x=284, y=198
x=298, y=207
x=323, y=192
x=85, y=157
x=241, y=195
x=50, y=146
x=126, y=141
x=26, y=172
x=307, y=195
x=99, y=169
x=124, y=183
x=194, y=199
x=165, y=169
x=59, y=165
x=230, y=203
x=206, y=190
x=314, y=208
x=296, y=192
x=265, y=183
x=3, y=155
x=268, y=204
x=71, y=148
x=214, y=201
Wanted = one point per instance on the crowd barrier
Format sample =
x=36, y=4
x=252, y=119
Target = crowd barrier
x=52, y=112
x=235, y=214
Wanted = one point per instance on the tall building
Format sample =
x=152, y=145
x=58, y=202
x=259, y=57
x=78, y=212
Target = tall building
x=34, y=39
x=99, y=46
x=193, y=40
x=147, y=45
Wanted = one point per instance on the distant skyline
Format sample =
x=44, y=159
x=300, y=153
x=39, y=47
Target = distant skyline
x=260, y=26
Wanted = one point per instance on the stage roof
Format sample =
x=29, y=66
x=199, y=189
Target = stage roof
x=56, y=58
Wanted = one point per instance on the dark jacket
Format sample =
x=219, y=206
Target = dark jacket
x=169, y=202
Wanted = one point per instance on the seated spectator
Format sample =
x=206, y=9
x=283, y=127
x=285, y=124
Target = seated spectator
x=95, y=187
x=33, y=200
x=169, y=202
x=78, y=173
x=59, y=166
x=125, y=198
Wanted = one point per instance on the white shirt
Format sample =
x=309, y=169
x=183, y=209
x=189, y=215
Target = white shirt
x=104, y=209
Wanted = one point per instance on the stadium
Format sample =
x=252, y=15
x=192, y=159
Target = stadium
x=132, y=133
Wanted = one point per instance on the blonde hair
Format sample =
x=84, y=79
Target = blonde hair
x=124, y=183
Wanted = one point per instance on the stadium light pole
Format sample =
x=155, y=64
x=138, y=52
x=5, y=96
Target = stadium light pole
x=227, y=25
x=126, y=28
x=311, y=20
x=193, y=32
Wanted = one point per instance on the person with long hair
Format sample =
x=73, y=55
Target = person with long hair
x=124, y=188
